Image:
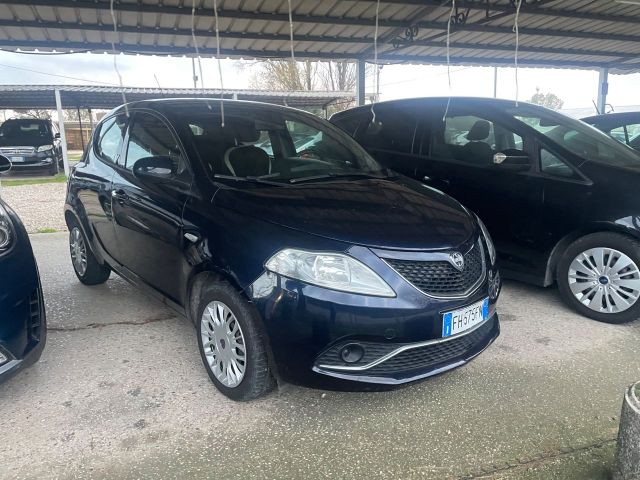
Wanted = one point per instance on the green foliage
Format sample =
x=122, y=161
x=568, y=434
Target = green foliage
x=549, y=100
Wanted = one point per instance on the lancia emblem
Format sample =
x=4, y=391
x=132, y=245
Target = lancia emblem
x=457, y=260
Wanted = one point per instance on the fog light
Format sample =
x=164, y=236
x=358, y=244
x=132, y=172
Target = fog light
x=352, y=353
x=3, y=358
x=494, y=285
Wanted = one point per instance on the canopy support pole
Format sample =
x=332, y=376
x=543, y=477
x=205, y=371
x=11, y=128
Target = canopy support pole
x=603, y=90
x=360, y=82
x=63, y=137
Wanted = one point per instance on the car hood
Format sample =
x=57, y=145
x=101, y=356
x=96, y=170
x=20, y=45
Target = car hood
x=382, y=213
x=23, y=142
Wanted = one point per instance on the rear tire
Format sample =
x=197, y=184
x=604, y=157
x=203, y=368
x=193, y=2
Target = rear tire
x=599, y=276
x=85, y=264
x=232, y=344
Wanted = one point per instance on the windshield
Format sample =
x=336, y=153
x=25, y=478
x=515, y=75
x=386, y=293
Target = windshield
x=579, y=138
x=275, y=145
x=25, y=131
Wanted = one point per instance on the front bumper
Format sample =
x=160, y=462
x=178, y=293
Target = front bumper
x=307, y=327
x=34, y=163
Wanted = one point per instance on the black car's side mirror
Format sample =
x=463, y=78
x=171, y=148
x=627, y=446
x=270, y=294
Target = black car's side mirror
x=5, y=164
x=56, y=136
x=160, y=167
x=512, y=159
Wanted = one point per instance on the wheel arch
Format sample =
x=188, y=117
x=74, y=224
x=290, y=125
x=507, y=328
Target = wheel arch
x=562, y=245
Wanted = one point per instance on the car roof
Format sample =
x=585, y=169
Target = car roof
x=169, y=105
x=435, y=101
x=612, y=118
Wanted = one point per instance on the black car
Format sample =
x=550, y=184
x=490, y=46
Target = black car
x=31, y=144
x=312, y=263
x=558, y=196
x=22, y=315
x=624, y=127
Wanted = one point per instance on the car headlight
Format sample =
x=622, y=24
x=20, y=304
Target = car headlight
x=44, y=148
x=330, y=270
x=487, y=238
x=6, y=231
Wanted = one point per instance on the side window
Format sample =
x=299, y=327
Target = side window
x=151, y=137
x=349, y=123
x=473, y=139
x=551, y=164
x=633, y=132
x=393, y=130
x=109, y=139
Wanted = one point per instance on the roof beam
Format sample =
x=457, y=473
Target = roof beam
x=330, y=20
x=314, y=39
x=383, y=57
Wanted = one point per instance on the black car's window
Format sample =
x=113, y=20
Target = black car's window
x=149, y=136
x=349, y=123
x=109, y=140
x=582, y=140
x=275, y=145
x=553, y=165
x=26, y=131
x=473, y=139
x=393, y=130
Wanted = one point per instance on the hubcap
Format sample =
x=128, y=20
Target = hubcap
x=78, y=251
x=605, y=280
x=223, y=344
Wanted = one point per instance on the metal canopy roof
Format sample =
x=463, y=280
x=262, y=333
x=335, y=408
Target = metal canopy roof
x=43, y=96
x=553, y=33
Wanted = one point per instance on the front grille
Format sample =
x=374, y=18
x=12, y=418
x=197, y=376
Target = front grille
x=441, y=278
x=435, y=354
x=444, y=352
x=35, y=317
x=17, y=151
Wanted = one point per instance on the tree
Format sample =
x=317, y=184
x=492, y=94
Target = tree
x=72, y=115
x=549, y=100
x=304, y=76
x=33, y=113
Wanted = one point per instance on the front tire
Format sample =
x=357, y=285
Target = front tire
x=599, y=276
x=84, y=262
x=232, y=344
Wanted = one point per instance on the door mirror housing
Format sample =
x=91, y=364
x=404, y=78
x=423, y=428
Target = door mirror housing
x=160, y=167
x=513, y=160
x=57, y=136
x=5, y=164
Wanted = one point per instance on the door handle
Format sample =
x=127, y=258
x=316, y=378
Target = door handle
x=428, y=179
x=119, y=195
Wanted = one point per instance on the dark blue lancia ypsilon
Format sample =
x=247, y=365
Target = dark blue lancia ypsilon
x=294, y=253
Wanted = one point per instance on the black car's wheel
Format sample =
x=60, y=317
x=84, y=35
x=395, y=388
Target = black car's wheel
x=55, y=168
x=85, y=264
x=232, y=345
x=599, y=276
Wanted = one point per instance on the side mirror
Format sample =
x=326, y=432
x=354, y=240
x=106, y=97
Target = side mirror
x=153, y=167
x=5, y=164
x=57, y=135
x=513, y=160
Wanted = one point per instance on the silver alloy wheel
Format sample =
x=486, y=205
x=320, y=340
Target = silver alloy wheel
x=223, y=344
x=78, y=251
x=605, y=280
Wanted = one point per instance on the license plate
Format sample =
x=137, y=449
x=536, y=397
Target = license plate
x=16, y=159
x=458, y=321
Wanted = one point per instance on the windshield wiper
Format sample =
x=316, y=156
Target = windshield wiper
x=335, y=175
x=250, y=179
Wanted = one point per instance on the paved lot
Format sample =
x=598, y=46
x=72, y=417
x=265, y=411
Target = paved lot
x=40, y=207
x=120, y=393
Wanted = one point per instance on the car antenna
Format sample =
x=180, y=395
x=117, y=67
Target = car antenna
x=376, y=77
x=596, y=107
x=451, y=13
x=516, y=29
x=115, y=57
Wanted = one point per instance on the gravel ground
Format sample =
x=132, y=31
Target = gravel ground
x=39, y=206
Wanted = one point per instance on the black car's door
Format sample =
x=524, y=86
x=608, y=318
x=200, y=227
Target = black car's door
x=390, y=136
x=457, y=156
x=91, y=188
x=148, y=212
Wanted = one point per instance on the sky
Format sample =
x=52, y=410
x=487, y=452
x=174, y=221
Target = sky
x=577, y=88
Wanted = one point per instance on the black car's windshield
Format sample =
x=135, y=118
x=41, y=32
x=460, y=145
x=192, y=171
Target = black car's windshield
x=276, y=145
x=25, y=131
x=579, y=138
